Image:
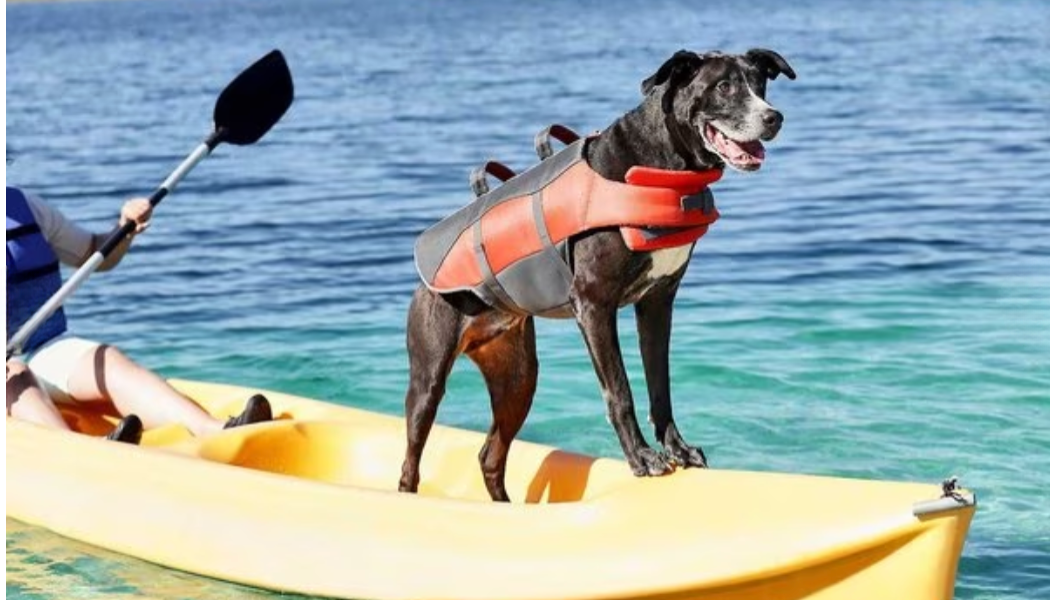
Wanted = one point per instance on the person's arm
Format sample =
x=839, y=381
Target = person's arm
x=69, y=241
x=73, y=244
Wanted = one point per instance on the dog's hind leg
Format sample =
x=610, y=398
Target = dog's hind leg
x=433, y=341
x=508, y=363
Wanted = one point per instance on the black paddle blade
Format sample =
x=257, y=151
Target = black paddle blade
x=253, y=102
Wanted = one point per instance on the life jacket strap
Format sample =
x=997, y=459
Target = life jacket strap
x=490, y=290
x=30, y=274
x=23, y=230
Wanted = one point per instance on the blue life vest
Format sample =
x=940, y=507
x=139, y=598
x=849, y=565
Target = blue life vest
x=32, y=273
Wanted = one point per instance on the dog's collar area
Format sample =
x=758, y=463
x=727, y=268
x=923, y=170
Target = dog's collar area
x=695, y=207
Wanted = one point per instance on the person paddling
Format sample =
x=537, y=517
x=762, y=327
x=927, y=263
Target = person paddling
x=55, y=366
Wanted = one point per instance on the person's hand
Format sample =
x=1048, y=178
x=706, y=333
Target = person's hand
x=138, y=210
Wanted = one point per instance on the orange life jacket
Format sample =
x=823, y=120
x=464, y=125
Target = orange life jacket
x=510, y=246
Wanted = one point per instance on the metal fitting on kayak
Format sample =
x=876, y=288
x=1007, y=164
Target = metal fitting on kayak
x=952, y=498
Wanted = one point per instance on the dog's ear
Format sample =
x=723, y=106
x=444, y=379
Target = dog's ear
x=683, y=65
x=770, y=63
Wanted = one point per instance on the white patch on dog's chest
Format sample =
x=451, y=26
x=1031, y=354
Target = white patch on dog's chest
x=668, y=261
x=663, y=263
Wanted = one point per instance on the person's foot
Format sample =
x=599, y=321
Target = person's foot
x=129, y=430
x=256, y=410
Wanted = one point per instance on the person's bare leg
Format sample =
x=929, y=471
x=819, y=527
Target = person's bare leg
x=107, y=373
x=27, y=400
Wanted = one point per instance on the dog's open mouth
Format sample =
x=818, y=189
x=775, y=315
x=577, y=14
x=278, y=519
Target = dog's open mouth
x=746, y=156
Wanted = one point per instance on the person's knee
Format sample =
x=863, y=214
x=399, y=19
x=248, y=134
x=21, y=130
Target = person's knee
x=20, y=379
x=113, y=357
x=16, y=368
x=114, y=370
x=109, y=361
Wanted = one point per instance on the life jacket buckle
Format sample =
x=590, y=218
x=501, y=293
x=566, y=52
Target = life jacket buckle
x=704, y=201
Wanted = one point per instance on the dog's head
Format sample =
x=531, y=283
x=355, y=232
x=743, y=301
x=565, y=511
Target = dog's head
x=715, y=103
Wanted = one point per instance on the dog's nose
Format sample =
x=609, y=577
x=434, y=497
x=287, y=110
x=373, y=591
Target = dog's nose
x=773, y=119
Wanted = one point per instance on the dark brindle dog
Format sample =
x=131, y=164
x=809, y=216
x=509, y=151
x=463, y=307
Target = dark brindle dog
x=700, y=112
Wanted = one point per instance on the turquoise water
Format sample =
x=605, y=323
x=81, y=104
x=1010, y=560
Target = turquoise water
x=875, y=302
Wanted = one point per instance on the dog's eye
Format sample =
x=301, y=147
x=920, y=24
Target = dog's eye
x=724, y=87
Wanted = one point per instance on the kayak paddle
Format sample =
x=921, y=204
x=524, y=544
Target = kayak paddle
x=249, y=106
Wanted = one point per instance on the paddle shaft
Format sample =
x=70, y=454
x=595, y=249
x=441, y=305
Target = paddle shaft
x=115, y=238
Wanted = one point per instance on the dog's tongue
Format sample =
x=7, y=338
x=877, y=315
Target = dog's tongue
x=739, y=153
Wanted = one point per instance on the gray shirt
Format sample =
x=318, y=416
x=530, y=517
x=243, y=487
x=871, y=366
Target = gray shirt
x=70, y=241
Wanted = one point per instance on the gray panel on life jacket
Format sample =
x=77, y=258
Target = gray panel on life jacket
x=539, y=284
x=434, y=244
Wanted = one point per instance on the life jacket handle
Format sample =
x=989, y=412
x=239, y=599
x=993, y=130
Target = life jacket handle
x=542, y=141
x=478, y=177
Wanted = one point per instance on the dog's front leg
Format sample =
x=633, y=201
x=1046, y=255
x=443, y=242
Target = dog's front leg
x=653, y=315
x=598, y=325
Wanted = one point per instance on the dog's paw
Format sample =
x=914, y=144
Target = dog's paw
x=688, y=456
x=681, y=453
x=650, y=463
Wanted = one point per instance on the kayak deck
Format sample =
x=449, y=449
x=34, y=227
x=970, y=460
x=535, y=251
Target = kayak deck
x=314, y=509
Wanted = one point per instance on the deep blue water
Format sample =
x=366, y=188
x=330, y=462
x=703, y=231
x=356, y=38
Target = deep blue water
x=875, y=302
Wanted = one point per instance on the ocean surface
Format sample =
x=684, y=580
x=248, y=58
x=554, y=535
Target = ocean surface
x=875, y=302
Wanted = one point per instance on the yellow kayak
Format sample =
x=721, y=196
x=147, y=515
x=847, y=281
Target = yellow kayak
x=308, y=504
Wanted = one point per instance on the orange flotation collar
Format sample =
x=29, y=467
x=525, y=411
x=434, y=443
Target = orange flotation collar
x=512, y=237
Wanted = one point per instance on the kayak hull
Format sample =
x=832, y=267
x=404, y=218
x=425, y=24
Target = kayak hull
x=308, y=504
